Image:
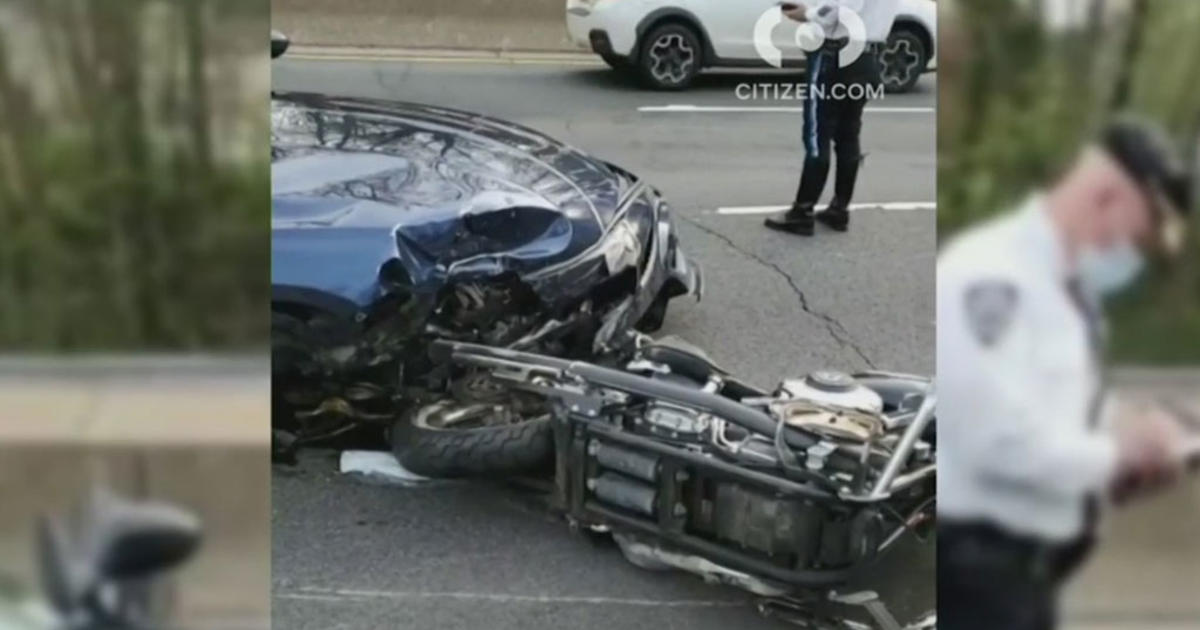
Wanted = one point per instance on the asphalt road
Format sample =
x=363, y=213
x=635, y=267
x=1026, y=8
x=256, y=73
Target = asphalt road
x=349, y=555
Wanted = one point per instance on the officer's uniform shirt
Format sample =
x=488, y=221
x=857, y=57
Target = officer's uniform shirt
x=877, y=16
x=1021, y=443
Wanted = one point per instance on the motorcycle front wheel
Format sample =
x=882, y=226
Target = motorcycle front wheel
x=474, y=435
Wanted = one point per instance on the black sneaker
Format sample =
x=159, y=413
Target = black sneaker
x=797, y=220
x=836, y=217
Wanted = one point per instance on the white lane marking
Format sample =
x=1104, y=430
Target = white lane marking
x=768, y=109
x=336, y=594
x=889, y=205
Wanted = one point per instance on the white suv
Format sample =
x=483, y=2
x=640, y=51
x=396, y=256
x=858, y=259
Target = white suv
x=667, y=42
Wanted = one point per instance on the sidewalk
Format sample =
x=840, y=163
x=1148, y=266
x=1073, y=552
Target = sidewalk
x=538, y=25
x=1146, y=572
x=135, y=400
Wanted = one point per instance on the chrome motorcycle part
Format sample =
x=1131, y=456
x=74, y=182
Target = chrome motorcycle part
x=835, y=389
x=828, y=421
x=677, y=422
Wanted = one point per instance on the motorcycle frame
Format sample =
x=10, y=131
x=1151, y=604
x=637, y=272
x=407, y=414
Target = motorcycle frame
x=579, y=422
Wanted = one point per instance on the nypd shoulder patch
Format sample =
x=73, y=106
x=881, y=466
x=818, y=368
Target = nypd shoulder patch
x=991, y=306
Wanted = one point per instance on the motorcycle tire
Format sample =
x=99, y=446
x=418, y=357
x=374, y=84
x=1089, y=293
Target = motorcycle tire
x=287, y=348
x=443, y=452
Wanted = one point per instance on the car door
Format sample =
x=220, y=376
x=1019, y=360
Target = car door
x=748, y=30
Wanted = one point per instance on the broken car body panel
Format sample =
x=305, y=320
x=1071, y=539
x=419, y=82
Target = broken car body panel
x=381, y=209
x=358, y=183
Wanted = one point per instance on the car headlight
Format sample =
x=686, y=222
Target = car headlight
x=622, y=248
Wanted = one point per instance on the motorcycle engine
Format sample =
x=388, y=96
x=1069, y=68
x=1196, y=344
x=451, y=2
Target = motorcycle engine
x=831, y=404
x=674, y=495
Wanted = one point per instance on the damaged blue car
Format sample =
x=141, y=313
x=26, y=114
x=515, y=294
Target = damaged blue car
x=396, y=224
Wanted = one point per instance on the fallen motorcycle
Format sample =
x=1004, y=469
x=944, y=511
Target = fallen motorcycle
x=106, y=572
x=786, y=494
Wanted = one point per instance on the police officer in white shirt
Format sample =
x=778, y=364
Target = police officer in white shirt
x=841, y=75
x=1029, y=445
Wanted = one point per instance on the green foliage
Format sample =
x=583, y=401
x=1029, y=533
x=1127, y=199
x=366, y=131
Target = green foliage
x=1017, y=101
x=126, y=223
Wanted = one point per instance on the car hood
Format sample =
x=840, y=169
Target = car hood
x=356, y=183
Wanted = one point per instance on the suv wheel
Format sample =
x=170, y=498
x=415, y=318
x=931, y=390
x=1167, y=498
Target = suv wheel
x=902, y=60
x=670, y=57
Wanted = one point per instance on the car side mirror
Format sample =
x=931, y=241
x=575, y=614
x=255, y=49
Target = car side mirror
x=279, y=44
x=85, y=563
x=54, y=564
x=138, y=540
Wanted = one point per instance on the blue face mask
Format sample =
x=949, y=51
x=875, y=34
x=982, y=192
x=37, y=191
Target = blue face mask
x=1103, y=272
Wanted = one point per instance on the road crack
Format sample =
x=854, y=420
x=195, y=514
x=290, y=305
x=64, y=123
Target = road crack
x=835, y=328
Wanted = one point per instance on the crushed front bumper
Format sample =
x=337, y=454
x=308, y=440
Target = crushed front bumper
x=684, y=277
x=688, y=275
x=665, y=271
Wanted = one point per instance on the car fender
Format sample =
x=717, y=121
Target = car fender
x=921, y=15
x=296, y=300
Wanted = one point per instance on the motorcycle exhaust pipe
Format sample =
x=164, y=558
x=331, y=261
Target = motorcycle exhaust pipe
x=644, y=467
x=624, y=492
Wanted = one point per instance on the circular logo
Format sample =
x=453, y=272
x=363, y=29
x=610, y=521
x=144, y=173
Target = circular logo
x=812, y=33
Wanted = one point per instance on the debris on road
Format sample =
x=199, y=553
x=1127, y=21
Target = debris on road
x=380, y=467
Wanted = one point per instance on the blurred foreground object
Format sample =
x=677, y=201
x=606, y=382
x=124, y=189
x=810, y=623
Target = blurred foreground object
x=1145, y=153
x=133, y=174
x=194, y=429
x=1028, y=456
x=279, y=44
x=134, y=185
x=103, y=572
x=1023, y=83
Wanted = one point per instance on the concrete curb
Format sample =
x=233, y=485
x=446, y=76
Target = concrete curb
x=134, y=365
x=161, y=401
x=466, y=24
x=1175, y=377
x=443, y=55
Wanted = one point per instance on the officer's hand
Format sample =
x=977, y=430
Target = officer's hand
x=1147, y=453
x=793, y=12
